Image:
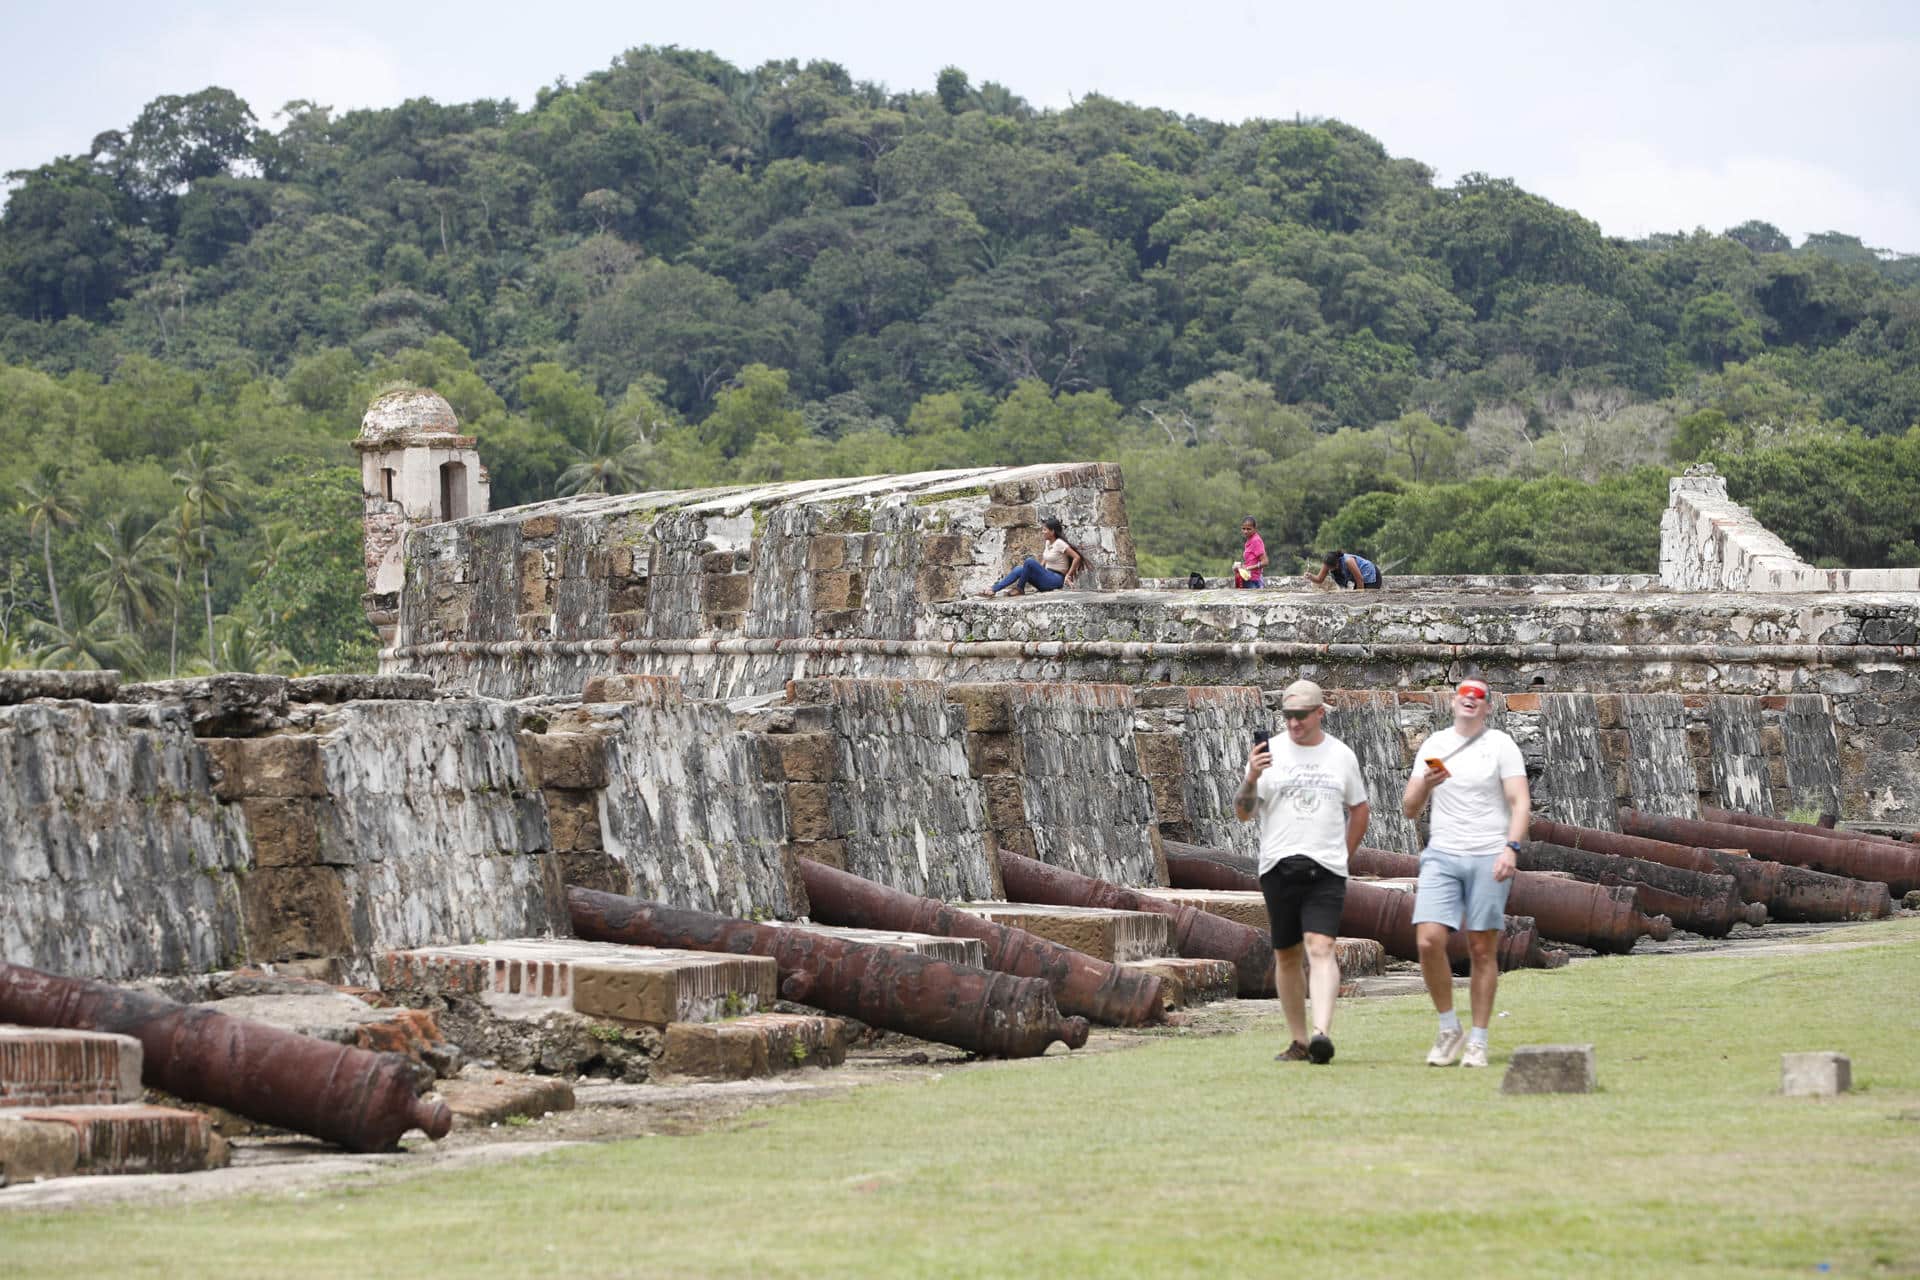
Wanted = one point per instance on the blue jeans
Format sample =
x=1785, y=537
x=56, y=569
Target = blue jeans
x=1031, y=573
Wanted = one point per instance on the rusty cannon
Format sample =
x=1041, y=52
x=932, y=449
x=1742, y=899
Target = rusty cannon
x=357, y=1099
x=1092, y=988
x=1703, y=902
x=1788, y=893
x=1824, y=829
x=1195, y=933
x=1597, y=915
x=975, y=1009
x=1370, y=911
x=1889, y=864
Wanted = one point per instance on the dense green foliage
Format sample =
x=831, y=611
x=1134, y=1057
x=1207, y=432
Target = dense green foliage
x=678, y=272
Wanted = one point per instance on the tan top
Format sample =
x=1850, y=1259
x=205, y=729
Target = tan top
x=1054, y=556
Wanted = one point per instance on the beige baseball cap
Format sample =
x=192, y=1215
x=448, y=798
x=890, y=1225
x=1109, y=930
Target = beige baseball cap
x=1302, y=695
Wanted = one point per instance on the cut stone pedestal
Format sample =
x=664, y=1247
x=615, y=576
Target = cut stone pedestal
x=759, y=1044
x=481, y=1097
x=933, y=946
x=51, y=1067
x=1114, y=936
x=1550, y=1068
x=1359, y=957
x=522, y=977
x=1185, y=981
x=54, y=1142
x=1815, y=1075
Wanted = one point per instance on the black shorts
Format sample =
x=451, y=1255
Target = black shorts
x=1302, y=897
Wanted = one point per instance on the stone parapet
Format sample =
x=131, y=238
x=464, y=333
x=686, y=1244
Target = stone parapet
x=1708, y=542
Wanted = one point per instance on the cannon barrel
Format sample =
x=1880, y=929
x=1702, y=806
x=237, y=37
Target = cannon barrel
x=1385, y=915
x=1788, y=893
x=1082, y=984
x=1705, y=902
x=1195, y=933
x=362, y=1101
x=1587, y=915
x=1889, y=864
x=975, y=1009
x=1821, y=829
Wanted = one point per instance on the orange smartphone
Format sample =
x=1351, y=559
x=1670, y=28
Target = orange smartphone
x=1435, y=762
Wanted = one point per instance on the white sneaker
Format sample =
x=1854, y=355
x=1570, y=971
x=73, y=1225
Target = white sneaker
x=1447, y=1046
x=1475, y=1056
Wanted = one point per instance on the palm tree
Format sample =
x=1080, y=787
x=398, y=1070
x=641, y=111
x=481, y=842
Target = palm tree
x=277, y=542
x=209, y=483
x=46, y=509
x=180, y=544
x=243, y=646
x=83, y=645
x=611, y=462
x=130, y=580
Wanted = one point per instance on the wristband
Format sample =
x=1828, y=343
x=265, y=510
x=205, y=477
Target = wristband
x=1514, y=845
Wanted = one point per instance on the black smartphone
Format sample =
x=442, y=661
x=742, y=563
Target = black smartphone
x=1260, y=737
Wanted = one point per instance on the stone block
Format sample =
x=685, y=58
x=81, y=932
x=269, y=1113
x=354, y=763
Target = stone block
x=290, y=913
x=936, y=582
x=829, y=853
x=725, y=592
x=630, y=597
x=984, y=708
x=717, y=562
x=130, y=1138
x=652, y=985
x=1169, y=797
x=990, y=753
x=1014, y=516
x=1160, y=753
x=760, y=1044
x=1815, y=1075
x=81, y=686
x=797, y=757
x=652, y=690
x=573, y=820
x=539, y=526
x=1111, y=510
x=836, y=621
x=1011, y=840
x=826, y=551
x=55, y=1067
x=1023, y=542
x=336, y=687
x=574, y=761
x=1112, y=936
x=232, y=704
x=1006, y=803
x=33, y=1149
x=1185, y=982
x=283, y=765
x=282, y=831
x=1550, y=1068
x=479, y=1096
x=948, y=549
x=809, y=812
x=593, y=869
x=830, y=589
x=533, y=582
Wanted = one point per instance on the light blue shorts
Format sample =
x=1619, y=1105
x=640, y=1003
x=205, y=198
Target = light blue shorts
x=1459, y=891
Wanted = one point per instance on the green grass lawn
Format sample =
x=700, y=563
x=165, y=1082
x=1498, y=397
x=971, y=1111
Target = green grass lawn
x=1198, y=1155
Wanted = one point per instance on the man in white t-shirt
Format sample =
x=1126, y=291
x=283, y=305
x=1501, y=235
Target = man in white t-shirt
x=1478, y=785
x=1307, y=790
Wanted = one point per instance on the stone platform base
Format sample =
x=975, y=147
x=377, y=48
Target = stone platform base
x=759, y=1044
x=1114, y=936
x=479, y=1097
x=934, y=946
x=50, y=1067
x=1359, y=957
x=1185, y=982
x=529, y=976
x=57, y=1142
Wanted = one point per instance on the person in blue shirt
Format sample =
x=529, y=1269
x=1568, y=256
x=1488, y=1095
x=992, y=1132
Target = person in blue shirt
x=1349, y=571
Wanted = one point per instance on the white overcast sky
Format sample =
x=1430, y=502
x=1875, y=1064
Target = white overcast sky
x=1642, y=116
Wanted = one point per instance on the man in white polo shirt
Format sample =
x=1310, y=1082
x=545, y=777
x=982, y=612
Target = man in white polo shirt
x=1478, y=786
x=1312, y=804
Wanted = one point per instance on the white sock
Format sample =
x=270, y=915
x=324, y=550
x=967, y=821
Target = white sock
x=1450, y=1021
x=1477, y=1035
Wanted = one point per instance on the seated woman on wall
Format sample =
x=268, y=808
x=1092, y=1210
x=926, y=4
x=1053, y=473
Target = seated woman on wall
x=1354, y=573
x=1059, y=564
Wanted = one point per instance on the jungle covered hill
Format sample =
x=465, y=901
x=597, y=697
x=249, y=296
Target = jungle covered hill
x=679, y=272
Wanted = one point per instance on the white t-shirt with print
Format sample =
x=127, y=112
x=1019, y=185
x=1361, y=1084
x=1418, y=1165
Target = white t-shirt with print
x=1302, y=801
x=1470, y=810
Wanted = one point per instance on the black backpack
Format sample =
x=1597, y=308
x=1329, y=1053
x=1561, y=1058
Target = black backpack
x=1196, y=582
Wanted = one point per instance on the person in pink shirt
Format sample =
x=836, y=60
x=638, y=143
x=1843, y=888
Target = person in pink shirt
x=1252, y=565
